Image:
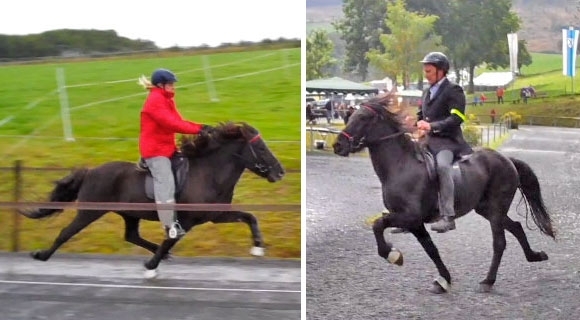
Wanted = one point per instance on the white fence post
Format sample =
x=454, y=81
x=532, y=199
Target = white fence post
x=209, y=80
x=64, y=105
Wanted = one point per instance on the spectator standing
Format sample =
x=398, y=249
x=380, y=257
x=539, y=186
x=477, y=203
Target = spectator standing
x=328, y=107
x=482, y=98
x=499, y=93
x=475, y=99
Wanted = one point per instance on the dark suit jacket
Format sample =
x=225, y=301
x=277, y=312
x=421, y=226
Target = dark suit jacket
x=441, y=112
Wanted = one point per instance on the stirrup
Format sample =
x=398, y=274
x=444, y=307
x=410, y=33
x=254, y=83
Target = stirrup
x=175, y=231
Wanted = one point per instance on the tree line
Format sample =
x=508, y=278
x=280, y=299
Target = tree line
x=393, y=35
x=67, y=41
x=71, y=43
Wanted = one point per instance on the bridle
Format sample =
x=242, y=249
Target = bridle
x=259, y=166
x=362, y=141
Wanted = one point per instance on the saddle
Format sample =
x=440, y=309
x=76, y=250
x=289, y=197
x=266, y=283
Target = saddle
x=180, y=168
x=425, y=156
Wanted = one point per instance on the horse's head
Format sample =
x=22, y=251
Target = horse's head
x=370, y=124
x=248, y=148
x=255, y=154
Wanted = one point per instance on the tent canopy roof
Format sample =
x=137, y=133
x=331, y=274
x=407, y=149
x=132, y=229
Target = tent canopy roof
x=338, y=85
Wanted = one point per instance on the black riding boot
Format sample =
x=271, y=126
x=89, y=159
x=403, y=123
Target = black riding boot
x=446, y=192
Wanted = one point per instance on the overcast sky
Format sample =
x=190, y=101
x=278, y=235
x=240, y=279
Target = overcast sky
x=167, y=23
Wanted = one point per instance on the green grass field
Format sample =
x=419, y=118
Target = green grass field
x=545, y=75
x=261, y=88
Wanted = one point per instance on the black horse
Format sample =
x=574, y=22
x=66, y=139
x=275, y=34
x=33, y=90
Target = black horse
x=216, y=163
x=488, y=184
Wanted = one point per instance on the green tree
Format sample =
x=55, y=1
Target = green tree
x=319, y=58
x=360, y=28
x=476, y=32
x=410, y=38
x=524, y=57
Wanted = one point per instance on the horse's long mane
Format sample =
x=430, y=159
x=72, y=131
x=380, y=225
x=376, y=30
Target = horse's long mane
x=199, y=145
x=387, y=105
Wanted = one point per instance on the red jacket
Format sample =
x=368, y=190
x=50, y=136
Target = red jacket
x=160, y=121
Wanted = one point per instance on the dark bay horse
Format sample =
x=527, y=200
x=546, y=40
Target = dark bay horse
x=216, y=163
x=488, y=184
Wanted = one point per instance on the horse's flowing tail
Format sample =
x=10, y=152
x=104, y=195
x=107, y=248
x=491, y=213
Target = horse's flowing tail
x=530, y=188
x=66, y=190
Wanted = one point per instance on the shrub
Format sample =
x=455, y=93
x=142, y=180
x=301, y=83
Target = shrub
x=473, y=119
x=513, y=118
x=472, y=134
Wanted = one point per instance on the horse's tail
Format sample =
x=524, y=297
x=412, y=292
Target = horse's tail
x=530, y=189
x=66, y=190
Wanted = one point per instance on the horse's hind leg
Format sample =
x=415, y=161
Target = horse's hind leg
x=132, y=236
x=516, y=229
x=251, y=221
x=499, y=243
x=81, y=221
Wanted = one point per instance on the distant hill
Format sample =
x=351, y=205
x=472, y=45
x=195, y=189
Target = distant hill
x=542, y=20
x=68, y=42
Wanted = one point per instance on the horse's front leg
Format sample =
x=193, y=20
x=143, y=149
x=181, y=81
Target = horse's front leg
x=250, y=220
x=385, y=249
x=443, y=282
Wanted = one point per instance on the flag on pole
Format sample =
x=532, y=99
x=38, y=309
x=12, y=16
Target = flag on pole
x=513, y=51
x=569, y=45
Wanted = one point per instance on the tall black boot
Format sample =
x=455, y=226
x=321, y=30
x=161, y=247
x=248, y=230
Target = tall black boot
x=446, y=199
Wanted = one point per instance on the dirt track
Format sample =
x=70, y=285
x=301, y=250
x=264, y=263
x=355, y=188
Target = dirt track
x=346, y=279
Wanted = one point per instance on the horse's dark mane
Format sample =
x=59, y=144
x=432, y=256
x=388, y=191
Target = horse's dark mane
x=198, y=145
x=381, y=105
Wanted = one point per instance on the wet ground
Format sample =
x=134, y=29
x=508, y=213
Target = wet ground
x=92, y=287
x=346, y=279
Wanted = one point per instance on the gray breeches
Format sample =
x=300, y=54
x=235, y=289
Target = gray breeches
x=444, y=160
x=163, y=186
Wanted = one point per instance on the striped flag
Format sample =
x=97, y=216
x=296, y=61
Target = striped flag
x=569, y=45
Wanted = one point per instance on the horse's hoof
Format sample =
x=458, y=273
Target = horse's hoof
x=150, y=274
x=257, y=251
x=37, y=255
x=440, y=285
x=543, y=256
x=395, y=257
x=485, y=287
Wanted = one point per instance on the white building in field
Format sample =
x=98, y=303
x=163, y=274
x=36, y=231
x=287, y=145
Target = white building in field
x=489, y=81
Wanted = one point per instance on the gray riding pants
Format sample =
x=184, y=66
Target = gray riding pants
x=163, y=186
x=444, y=160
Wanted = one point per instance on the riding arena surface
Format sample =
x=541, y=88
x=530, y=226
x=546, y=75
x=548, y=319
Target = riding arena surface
x=346, y=279
x=95, y=287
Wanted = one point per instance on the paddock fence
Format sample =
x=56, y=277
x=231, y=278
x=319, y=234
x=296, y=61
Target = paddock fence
x=14, y=184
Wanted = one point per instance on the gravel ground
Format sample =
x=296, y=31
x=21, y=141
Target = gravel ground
x=346, y=279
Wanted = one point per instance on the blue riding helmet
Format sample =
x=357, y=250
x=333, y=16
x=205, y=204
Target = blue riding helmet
x=163, y=76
